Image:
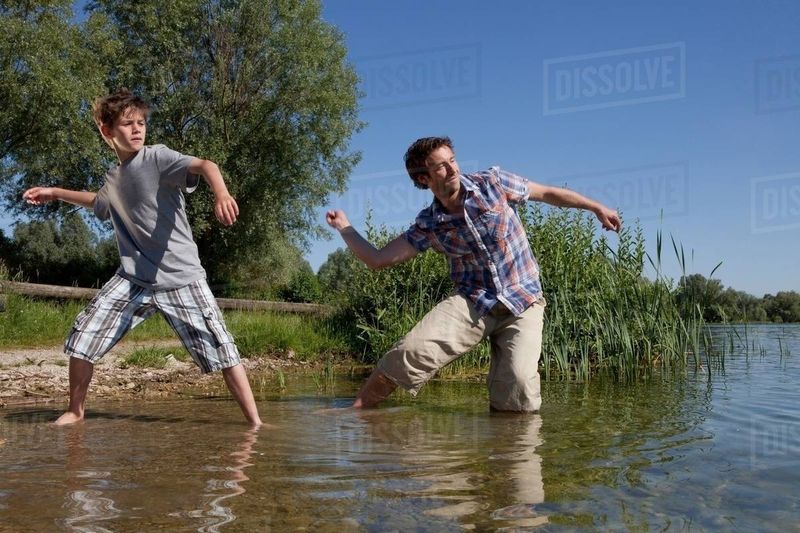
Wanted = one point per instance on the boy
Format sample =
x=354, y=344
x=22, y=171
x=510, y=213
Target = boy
x=473, y=221
x=160, y=267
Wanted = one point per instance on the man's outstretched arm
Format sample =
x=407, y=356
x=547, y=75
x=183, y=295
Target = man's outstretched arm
x=560, y=197
x=397, y=251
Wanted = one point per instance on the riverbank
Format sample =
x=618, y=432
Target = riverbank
x=41, y=375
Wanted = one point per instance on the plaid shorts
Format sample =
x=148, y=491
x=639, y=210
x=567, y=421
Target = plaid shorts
x=122, y=305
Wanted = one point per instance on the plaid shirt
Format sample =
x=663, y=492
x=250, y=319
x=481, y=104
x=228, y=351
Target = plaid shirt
x=486, y=246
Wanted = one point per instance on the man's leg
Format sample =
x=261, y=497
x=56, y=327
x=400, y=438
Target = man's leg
x=514, y=373
x=376, y=389
x=236, y=380
x=444, y=334
x=80, y=375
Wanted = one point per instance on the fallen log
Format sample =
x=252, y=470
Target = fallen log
x=81, y=293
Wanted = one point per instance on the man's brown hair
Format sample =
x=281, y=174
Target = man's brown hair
x=418, y=152
x=107, y=109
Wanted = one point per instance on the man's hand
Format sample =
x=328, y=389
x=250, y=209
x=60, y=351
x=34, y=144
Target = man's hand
x=337, y=219
x=40, y=195
x=226, y=209
x=608, y=218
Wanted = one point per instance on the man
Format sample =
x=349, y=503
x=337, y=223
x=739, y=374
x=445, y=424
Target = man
x=473, y=221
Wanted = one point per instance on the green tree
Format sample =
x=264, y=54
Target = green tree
x=263, y=88
x=697, y=290
x=336, y=273
x=48, y=74
x=303, y=285
x=783, y=307
x=65, y=253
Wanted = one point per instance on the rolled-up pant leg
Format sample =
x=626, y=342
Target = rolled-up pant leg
x=514, y=372
x=445, y=333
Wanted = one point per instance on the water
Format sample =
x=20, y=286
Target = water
x=716, y=449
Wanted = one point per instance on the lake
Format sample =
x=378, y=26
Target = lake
x=713, y=449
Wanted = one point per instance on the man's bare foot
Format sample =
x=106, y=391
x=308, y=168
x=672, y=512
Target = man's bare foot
x=377, y=388
x=68, y=418
x=256, y=426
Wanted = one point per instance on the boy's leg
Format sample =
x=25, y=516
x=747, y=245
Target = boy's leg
x=193, y=313
x=236, y=380
x=444, y=334
x=119, y=306
x=514, y=371
x=80, y=375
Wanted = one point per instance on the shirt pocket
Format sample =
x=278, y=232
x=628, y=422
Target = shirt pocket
x=453, y=244
x=83, y=318
x=493, y=222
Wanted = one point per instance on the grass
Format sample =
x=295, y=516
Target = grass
x=153, y=357
x=28, y=323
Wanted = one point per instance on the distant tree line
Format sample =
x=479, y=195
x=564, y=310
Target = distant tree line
x=720, y=304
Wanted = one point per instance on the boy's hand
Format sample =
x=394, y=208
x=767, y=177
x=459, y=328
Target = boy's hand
x=226, y=209
x=337, y=219
x=40, y=195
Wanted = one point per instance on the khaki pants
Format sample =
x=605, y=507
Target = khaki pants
x=453, y=327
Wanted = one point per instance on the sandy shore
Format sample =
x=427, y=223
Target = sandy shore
x=40, y=375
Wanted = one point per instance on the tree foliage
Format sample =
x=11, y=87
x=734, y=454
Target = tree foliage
x=66, y=253
x=720, y=304
x=336, y=273
x=261, y=87
x=48, y=74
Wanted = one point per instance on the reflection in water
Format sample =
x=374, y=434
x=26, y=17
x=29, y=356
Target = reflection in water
x=85, y=504
x=524, y=470
x=219, y=490
x=451, y=467
x=707, y=451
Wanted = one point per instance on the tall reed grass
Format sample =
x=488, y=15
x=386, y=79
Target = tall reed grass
x=603, y=314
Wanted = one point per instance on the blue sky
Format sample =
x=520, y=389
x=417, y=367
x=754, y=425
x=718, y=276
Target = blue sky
x=684, y=108
x=687, y=108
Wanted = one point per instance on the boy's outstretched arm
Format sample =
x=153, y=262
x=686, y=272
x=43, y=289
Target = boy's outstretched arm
x=560, y=197
x=42, y=195
x=225, y=207
x=397, y=251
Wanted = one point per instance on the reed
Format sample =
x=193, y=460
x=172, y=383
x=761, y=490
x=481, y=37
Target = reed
x=603, y=314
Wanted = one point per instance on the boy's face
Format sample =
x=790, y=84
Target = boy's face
x=443, y=177
x=128, y=132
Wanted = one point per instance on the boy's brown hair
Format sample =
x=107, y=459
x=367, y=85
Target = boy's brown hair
x=107, y=109
x=418, y=152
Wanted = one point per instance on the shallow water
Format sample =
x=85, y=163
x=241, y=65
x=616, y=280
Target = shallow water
x=716, y=449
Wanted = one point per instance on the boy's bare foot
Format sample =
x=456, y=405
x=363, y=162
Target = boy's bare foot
x=68, y=418
x=261, y=425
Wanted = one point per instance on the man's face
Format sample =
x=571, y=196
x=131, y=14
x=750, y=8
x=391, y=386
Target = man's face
x=128, y=131
x=443, y=172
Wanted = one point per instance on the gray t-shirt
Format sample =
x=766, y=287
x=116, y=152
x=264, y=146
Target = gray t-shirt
x=144, y=199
